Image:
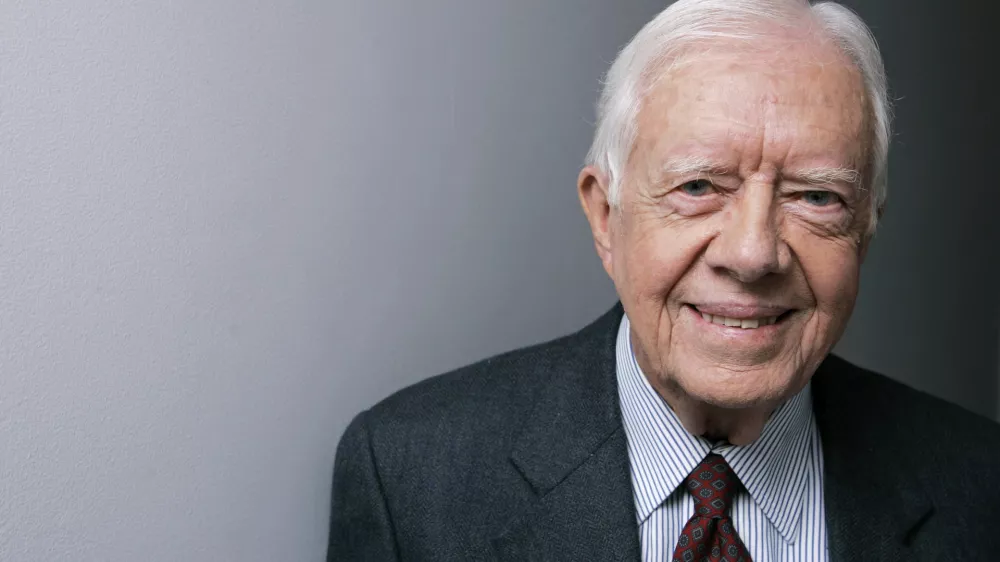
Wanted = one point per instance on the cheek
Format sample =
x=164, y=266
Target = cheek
x=656, y=253
x=832, y=269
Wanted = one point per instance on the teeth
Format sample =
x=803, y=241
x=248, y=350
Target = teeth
x=746, y=324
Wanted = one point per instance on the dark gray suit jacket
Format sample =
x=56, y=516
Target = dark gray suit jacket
x=523, y=457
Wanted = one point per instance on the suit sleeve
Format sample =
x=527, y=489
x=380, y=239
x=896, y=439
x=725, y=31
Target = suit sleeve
x=360, y=524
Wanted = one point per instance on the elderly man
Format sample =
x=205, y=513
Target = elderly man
x=735, y=180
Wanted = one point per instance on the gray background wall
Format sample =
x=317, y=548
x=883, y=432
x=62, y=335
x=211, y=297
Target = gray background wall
x=935, y=262
x=228, y=226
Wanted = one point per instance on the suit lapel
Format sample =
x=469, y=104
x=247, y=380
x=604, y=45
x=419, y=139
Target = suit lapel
x=875, y=505
x=573, y=453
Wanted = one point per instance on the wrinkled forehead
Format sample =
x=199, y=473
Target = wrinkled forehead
x=783, y=101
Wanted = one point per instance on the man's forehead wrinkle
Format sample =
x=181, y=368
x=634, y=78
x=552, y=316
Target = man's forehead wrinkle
x=805, y=94
x=735, y=122
x=745, y=155
x=745, y=118
x=705, y=146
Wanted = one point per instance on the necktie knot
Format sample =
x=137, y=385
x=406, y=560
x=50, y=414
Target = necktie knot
x=712, y=484
x=710, y=535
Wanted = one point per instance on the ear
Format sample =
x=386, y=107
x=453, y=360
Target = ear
x=592, y=187
x=863, y=248
x=867, y=236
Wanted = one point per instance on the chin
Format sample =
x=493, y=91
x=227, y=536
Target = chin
x=737, y=388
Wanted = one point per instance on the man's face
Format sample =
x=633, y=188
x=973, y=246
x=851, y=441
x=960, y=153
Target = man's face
x=737, y=245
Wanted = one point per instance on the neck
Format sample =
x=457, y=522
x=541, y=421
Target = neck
x=738, y=426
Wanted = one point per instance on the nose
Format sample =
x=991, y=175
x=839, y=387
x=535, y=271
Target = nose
x=748, y=246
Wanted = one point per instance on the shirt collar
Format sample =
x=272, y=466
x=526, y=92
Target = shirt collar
x=774, y=468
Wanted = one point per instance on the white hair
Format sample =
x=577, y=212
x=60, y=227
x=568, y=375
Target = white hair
x=660, y=42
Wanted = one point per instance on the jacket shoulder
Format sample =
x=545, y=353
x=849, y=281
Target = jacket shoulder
x=498, y=390
x=953, y=450
x=914, y=415
x=498, y=386
x=418, y=463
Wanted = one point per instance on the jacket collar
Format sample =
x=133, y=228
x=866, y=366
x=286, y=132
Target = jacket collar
x=572, y=451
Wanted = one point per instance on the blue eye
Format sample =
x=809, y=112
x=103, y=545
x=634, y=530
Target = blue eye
x=820, y=198
x=697, y=188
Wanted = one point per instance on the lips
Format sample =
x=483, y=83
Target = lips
x=745, y=323
x=744, y=316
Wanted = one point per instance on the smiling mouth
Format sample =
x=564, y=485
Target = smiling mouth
x=743, y=323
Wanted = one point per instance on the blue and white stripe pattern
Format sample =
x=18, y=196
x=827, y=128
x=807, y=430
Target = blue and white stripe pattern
x=782, y=516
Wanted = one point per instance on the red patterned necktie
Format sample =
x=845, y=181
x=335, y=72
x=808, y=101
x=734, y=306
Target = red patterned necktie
x=709, y=534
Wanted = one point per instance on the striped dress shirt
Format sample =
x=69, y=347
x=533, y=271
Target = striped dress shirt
x=780, y=513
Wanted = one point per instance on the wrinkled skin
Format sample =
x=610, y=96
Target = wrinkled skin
x=772, y=222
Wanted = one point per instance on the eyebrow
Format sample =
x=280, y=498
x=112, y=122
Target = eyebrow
x=688, y=165
x=820, y=175
x=826, y=176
